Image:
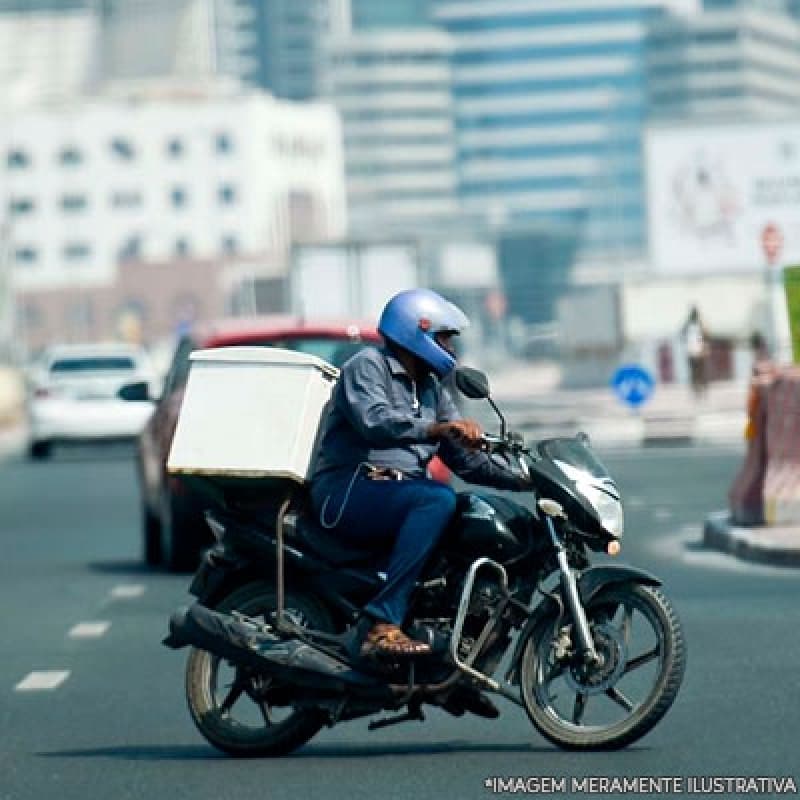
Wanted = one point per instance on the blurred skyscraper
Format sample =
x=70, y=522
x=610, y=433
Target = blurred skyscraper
x=155, y=39
x=741, y=61
x=289, y=44
x=372, y=15
x=47, y=50
x=780, y=6
x=550, y=100
x=393, y=90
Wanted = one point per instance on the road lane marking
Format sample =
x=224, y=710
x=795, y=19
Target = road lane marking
x=42, y=680
x=89, y=630
x=127, y=591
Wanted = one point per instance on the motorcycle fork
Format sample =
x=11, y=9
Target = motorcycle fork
x=572, y=598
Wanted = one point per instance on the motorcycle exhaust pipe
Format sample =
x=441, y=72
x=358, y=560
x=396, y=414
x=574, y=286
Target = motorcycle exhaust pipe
x=244, y=644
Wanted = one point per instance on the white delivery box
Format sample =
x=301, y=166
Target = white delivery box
x=251, y=412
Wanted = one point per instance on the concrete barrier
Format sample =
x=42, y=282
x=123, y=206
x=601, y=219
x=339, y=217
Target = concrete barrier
x=12, y=396
x=782, y=479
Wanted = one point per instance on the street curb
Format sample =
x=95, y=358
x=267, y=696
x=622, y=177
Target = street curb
x=779, y=547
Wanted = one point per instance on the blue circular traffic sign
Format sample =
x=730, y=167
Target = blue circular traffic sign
x=633, y=385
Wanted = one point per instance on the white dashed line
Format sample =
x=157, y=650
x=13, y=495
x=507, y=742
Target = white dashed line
x=89, y=630
x=127, y=591
x=42, y=681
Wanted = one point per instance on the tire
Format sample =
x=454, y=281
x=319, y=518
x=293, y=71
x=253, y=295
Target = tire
x=40, y=451
x=180, y=550
x=232, y=733
x=151, y=537
x=636, y=662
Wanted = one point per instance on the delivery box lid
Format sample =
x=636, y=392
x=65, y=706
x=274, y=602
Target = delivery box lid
x=251, y=412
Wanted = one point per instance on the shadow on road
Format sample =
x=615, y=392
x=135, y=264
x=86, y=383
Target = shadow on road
x=200, y=752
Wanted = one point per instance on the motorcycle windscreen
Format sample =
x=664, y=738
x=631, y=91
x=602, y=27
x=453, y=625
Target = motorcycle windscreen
x=574, y=452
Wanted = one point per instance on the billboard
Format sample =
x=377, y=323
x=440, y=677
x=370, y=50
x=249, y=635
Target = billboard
x=723, y=198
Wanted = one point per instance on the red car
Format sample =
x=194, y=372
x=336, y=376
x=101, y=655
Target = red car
x=173, y=528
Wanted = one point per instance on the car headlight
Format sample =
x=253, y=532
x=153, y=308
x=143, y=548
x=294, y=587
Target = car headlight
x=608, y=508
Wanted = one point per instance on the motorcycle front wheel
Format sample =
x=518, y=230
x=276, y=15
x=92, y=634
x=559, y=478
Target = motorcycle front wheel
x=240, y=711
x=607, y=706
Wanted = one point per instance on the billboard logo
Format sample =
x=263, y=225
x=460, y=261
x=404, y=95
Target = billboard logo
x=705, y=200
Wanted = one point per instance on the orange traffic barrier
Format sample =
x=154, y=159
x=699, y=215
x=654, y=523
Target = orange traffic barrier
x=746, y=496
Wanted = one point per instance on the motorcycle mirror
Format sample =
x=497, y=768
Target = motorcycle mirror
x=472, y=383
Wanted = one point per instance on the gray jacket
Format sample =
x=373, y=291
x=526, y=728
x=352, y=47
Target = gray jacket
x=378, y=415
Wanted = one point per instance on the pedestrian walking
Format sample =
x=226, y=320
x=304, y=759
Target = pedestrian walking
x=697, y=348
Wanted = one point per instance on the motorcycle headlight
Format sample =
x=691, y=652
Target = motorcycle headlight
x=608, y=508
x=602, y=495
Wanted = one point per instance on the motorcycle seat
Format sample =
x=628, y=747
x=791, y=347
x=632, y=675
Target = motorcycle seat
x=326, y=545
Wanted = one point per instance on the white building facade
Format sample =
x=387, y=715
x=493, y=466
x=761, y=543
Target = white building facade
x=111, y=181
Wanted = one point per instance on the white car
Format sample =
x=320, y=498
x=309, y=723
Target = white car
x=74, y=395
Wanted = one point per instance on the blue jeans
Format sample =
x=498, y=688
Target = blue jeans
x=407, y=517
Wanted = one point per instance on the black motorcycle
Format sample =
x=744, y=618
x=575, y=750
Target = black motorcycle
x=594, y=654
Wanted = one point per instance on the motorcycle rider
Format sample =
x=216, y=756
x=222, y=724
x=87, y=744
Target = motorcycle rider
x=389, y=416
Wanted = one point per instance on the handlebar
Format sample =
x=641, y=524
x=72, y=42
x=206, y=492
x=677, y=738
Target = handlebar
x=511, y=442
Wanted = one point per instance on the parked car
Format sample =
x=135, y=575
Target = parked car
x=174, y=531
x=73, y=394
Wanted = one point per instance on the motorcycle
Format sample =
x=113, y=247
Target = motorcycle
x=594, y=654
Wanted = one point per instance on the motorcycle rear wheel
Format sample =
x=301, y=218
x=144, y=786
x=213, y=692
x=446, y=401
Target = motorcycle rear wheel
x=637, y=631
x=225, y=702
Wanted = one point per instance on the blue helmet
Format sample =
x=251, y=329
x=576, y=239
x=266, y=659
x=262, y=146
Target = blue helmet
x=411, y=319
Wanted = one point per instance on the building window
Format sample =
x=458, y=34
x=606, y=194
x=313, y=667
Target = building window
x=178, y=197
x=130, y=199
x=26, y=255
x=223, y=143
x=73, y=202
x=130, y=249
x=175, y=148
x=182, y=249
x=122, y=149
x=226, y=194
x=17, y=206
x=76, y=251
x=230, y=245
x=18, y=159
x=70, y=157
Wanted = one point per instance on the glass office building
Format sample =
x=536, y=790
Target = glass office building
x=550, y=100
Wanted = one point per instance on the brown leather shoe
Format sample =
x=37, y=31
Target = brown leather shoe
x=386, y=639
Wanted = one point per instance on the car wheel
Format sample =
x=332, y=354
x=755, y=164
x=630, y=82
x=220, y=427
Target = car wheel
x=151, y=536
x=40, y=450
x=179, y=552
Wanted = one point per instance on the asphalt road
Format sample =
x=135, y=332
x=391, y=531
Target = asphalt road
x=116, y=726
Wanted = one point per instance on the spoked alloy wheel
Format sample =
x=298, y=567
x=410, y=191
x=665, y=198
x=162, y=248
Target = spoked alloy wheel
x=639, y=637
x=240, y=711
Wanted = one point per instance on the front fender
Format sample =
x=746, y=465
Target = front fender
x=590, y=582
x=594, y=579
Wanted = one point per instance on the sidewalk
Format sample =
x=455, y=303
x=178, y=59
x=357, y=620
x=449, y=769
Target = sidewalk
x=537, y=405
x=776, y=545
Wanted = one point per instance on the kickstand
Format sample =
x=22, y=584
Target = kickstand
x=414, y=712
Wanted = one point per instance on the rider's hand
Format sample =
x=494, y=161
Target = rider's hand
x=465, y=431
